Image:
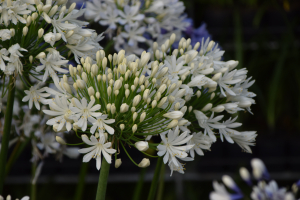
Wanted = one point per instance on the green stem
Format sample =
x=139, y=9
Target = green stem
x=139, y=186
x=81, y=182
x=33, y=185
x=102, y=183
x=155, y=179
x=161, y=185
x=6, y=130
x=238, y=37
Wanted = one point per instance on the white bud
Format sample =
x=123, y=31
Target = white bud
x=133, y=109
x=91, y=91
x=41, y=55
x=12, y=32
x=146, y=94
x=30, y=59
x=172, y=38
x=162, y=72
x=244, y=173
x=190, y=108
x=144, y=163
x=122, y=126
x=207, y=107
x=71, y=8
x=124, y=108
x=40, y=32
x=245, y=104
x=173, y=123
x=142, y=146
x=210, y=46
x=53, y=10
x=183, y=122
x=177, y=106
x=174, y=115
x=258, y=168
x=171, y=99
x=134, y=128
x=228, y=181
x=154, y=103
x=80, y=83
x=133, y=88
x=216, y=76
x=162, y=88
x=113, y=109
x=136, y=100
x=212, y=95
x=180, y=93
x=162, y=102
x=142, y=117
x=108, y=107
x=118, y=163
x=127, y=92
x=97, y=95
x=104, y=63
x=197, y=45
x=117, y=85
x=218, y=109
x=108, y=91
x=60, y=140
x=134, y=116
x=28, y=20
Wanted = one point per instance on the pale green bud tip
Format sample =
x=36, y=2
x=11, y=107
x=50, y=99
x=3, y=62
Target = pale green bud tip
x=142, y=146
x=122, y=126
x=118, y=163
x=60, y=140
x=244, y=173
x=144, y=163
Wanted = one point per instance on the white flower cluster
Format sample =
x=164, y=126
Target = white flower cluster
x=9, y=198
x=261, y=191
x=119, y=99
x=34, y=33
x=135, y=24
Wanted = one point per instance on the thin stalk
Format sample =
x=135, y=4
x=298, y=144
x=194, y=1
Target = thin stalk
x=153, y=187
x=33, y=185
x=6, y=130
x=102, y=183
x=139, y=185
x=81, y=182
x=161, y=184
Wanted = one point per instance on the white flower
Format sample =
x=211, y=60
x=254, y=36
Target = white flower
x=226, y=80
x=13, y=12
x=9, y=198
x=175, y=67
x=200, y=141
x=35, y=95
x=170, y=147
x=220, y=192
x=101, y=123
x=98, y=147
x=14, y=51
x=228, y=131
x=245, y=139
x=84, y=111
x=61, y=108
x=5, y=34
x=130, y=14
x=208, y=123
x=50, y=38
x=3, y=56
x=133, y=34
x=51, y=64
x=109, y=18
x=48, y=143
x=268, y=192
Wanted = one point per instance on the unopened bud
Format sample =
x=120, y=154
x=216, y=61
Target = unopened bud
x=144, y=163
x=142, y=146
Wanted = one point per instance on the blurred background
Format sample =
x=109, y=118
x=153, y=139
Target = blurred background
x=264, y=36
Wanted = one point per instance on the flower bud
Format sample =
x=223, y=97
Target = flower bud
x=80, y=83
x=122, y=126
x=60, y=140
x=180, y=93
x=84, y=77
x=117, y=85
x=207, y=107
x=71, y=8
x=134, y=128
x=244, y=173
x=154, y=103
x=30, y=59
x=136, y=100
x=197, y=45
x=142, y=117
x=227, y=180
x=177, y=106
x=162, y=88
x=28, y=20
x=75, y=86
x=172, y=38
x=173, y=123
x=142, y=146
x=174, y=115
x=183, y=122
x=118, y=163
x=210, y=46
x=162, y=72
x=41, y=55
x=216, y=76
x=134, y=116
x=108, y=107
x=97, y=95
x=133, y=109
x=212, y=95
x=12, y=32
x=40, y=32
x=113, y=109
x=53, y=10
x=171, y=99
x=190, y=108
x=91, y=91
x=104, y=63
x=144, y=163
x=218, y=109
x=109, y=91
x=124, y=108
x=127, y=92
